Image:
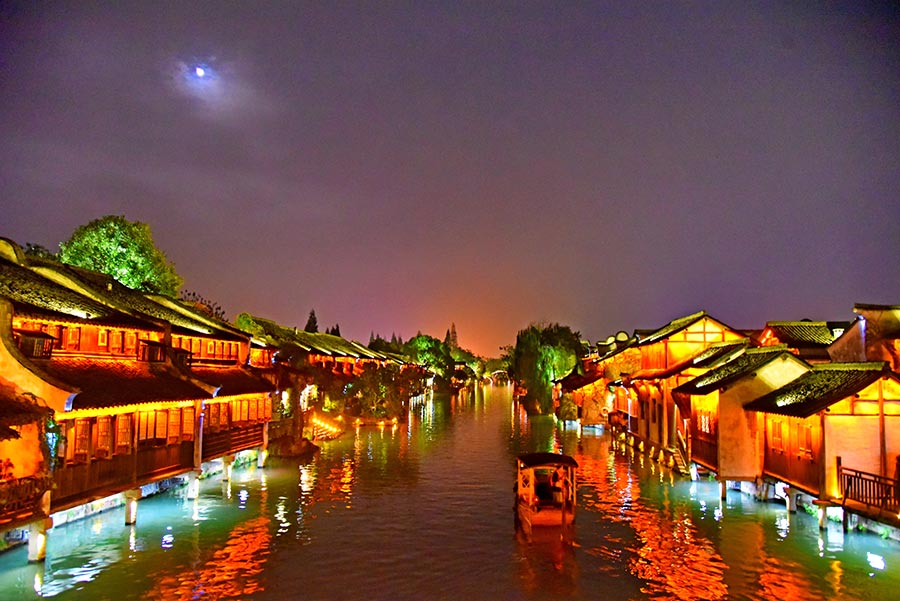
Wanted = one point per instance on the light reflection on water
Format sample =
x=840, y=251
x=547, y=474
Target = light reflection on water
x=423, y=510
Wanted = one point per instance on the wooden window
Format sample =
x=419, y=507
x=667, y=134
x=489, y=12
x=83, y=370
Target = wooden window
x=174, y=426
x=123, y=434
x=804, y=440
x=777, y=435
x=211, y=348
x=162, y=424
x=187, y=424
x=104, y=437
x=74, y=339
x=268, y=411
x=214, y=415
x=103, y=338
x=82, y=439
x=130, y=342
x=115, y=341
x=254, y=410
x=146, y=425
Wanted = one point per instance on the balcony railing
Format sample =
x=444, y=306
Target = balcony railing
x=873, y=491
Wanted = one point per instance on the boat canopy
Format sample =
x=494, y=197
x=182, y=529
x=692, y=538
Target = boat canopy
x=537, y=459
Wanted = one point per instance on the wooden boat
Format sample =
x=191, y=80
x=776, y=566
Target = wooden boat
x=545, y=490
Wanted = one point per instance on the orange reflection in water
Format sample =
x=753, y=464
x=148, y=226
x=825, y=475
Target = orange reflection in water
x=232, y=572
x=672, y=558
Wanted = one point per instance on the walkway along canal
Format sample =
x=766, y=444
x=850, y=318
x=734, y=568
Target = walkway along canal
x=423, y=509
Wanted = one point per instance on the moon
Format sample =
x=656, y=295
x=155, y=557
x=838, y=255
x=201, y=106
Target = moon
x=199, y=71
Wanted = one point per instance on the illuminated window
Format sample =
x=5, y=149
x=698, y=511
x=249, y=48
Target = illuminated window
x=123, y=434
x=104, y=436
x=102, y=338
x=161, y=425
x=74, y=339
x=268, y=414
x=211, y=348
x=214, y=415
x=82, y=439
x=187, y=424
x=146, y=425
x=174, y=426
x=254, y=409
x=130, y=342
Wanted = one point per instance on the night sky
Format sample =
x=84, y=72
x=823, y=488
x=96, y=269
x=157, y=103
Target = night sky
x=398, y=167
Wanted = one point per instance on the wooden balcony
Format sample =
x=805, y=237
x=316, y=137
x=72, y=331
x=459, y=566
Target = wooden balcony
x=82, y=482
x=232, y=440
x=870, y=495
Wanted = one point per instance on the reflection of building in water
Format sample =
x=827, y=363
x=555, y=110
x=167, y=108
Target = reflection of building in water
x=231, y=572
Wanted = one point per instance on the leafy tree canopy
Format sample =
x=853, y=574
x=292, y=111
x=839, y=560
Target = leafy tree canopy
x=542, y=354
x=432, y=353
x=124, y=250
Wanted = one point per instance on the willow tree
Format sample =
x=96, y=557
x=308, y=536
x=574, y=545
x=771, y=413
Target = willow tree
x=542, y=354
x=124, y=250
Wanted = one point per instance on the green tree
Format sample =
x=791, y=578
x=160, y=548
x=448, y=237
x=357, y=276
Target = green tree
x=432, y=353
x=542, y=354
x=384, y=391
x=124, y=250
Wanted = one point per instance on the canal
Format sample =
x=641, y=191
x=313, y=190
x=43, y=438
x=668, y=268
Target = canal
x=423, y=510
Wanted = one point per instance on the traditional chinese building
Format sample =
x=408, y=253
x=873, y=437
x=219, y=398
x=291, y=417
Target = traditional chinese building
x=141, y=388
x=724, y=437
x=807, y=339
x=834, y=433
x=656, y=421
x=873, y=336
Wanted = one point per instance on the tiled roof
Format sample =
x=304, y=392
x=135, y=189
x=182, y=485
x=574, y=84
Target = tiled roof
x=745, y=363
x=231, y=380
x=35, y=296
x=819, y=388
x=718, y=351
x=325, y=344
x=672, y=327
x=708, y=356
x=574, y=380
x=106, y=383
x=805, y=333
x=122, y=297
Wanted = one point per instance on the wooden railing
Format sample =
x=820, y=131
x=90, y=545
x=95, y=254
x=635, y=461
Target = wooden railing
x=872, y=490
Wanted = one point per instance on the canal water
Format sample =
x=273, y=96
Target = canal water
x=423, y=510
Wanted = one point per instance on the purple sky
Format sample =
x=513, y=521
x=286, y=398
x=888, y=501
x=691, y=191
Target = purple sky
x=399, y=167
